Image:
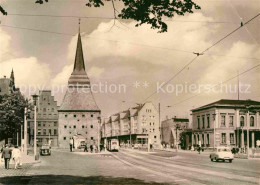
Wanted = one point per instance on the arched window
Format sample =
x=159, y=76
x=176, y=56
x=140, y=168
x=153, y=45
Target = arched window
x=252, y=121
x=242, y=121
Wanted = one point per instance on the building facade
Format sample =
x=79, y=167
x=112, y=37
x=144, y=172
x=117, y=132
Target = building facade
x=176, y=132
x=7, y=85
x=137, y=125
x=47, y=120
x=79, y=115
x=226, y=123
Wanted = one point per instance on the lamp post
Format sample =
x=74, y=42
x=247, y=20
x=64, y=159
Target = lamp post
x=214, y=123
x=35, y=97
x=177, y=127
x=98, y=142
x=247, y=129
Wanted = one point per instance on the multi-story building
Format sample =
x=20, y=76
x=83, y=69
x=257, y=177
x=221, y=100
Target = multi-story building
x=226, y=122
x=137, y=125
x=79, y=115
x=172, y=129
x=46, y=118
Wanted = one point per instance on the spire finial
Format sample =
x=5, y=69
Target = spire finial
x=79, y=25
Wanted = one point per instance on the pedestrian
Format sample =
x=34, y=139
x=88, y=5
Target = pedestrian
x=85, y=148
x=91, y=148
x=71, y=144
x=16, y=154
x=199, y=149
x=7, y=155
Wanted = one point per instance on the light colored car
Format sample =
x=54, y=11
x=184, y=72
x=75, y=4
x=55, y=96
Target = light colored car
x=222, y=153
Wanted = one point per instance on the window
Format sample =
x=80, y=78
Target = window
x=83, y=126
x=66, y=115
x=44, y=131
x=75, y=115
x=242, y=121
x=55, y=124
x=208, y=139
x=50, y=131
x=232, y=140
x=198, y=122
x=223, y=120
x=154, y=137
x=74, y=126
x=39, y=124
x=202, y=139
x=39, y=131
x=65, y=126
x=83, y=115
x=43, y=125
x=208, y=121
x=91, y=126
x=91, y=115
x=92, y=138
x=64, y=138
x=231, y=121
x=203, y=121
x=252, y=121
x=223, y=138
x=55, y=131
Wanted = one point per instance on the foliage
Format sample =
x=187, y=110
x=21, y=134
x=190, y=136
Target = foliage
x=12, y=113
x=149, y=12
x=182, y=139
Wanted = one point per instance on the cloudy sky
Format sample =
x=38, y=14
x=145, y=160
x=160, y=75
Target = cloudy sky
x=124, y=54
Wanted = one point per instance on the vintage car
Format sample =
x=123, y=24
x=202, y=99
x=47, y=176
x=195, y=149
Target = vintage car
x=222, y=153
x=45, y=150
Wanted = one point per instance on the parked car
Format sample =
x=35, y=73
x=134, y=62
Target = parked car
x=45, y=150
x=222, y=153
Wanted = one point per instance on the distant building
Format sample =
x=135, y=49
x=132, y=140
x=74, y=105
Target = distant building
x=225, y=123
x=79, y=115
x=47, y=120
x=7, y=85
x=172, y=129
x=135, y=125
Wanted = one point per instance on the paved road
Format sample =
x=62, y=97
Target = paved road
x=64, y=167
x=192, y=168
x=132, y=167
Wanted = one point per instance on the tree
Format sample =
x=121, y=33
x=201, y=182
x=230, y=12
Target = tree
x=149, y=12
x=12, y=114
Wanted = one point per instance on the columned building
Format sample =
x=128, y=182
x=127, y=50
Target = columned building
x=226, y=123
x=137, y=125
x=79, y=115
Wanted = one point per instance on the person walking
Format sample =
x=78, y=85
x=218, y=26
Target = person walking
x=7, y=155
x=71, y=144
x=86, y=148
x=91, y=148
x=16, y=153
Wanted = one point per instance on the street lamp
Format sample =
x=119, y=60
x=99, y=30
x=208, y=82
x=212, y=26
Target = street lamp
x=214, y=123
x=177, y=127
x=35, y=97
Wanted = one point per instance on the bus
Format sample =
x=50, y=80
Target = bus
x=113, y=145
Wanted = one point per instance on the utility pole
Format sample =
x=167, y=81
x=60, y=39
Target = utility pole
x=35, y=97
x=25, y=130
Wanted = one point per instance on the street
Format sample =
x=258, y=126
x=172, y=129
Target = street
x=132, y=167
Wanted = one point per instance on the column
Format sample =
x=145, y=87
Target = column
x=192, y=139
x=242, y=139
x=253, y=139
x=257, y=124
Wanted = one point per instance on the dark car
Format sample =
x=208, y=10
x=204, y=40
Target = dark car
x=45, y=150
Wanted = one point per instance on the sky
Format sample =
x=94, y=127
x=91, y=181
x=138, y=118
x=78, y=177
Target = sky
x=137, y=61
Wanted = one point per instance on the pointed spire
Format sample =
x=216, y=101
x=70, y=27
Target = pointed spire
x=79, y=65
x=12, y=75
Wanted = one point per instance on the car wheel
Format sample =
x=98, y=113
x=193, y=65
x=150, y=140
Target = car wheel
x=230, y=160
x=211, y=159
x=216, y=159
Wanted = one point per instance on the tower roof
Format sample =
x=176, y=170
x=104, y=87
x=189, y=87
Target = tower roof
x=79, y=75
x=79, y=65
